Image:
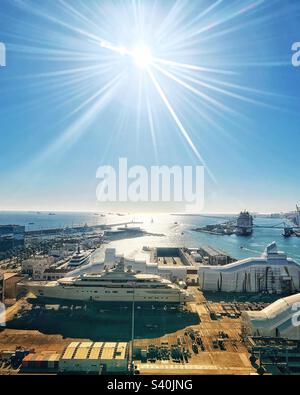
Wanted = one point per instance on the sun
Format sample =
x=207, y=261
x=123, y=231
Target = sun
x=142, y=56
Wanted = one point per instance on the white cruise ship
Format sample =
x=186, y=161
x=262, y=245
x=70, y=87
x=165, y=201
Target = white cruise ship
x=79, y=259
x=115, y=285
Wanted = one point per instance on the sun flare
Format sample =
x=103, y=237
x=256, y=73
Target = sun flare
x=142, y=56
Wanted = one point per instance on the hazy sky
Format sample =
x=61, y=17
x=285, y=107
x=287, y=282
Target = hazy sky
x=225, y=91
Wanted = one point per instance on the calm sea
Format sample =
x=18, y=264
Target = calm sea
x=176, y=230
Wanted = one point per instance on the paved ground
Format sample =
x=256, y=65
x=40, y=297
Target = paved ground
x=233, y=360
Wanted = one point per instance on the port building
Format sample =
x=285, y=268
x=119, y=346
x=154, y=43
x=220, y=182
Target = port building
x=281, y=319
x=94, y=358
x=36, y=266
x=273, y=272
x=172, y=263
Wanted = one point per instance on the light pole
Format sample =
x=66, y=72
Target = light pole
x=132, y=331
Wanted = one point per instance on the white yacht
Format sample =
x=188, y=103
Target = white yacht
x=114, y=285
x=79, y=259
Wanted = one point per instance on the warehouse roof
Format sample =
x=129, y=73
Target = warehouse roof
x=96, y=351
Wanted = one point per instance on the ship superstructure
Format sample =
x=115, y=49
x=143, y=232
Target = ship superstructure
x=114, y=285
x=79, y=259
x=244, y=224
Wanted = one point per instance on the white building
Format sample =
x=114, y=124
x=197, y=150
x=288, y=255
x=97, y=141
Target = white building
x=273, y=272
x=94, y=358
x=36, y=266
x=280, y=319
x=179, y=269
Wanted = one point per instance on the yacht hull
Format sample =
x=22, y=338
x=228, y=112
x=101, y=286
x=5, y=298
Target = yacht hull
x=108, y=295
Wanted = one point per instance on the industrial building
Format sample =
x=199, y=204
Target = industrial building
x=35, y=266
x=94, y=358
x=44, y=268
x=281, y=319
x=171, y=263
x=213, y=256
x=11, y=237
x=45, y=362
x=273, y=273
x=11, y=288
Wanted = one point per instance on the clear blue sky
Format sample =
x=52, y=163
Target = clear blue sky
x=67, y=105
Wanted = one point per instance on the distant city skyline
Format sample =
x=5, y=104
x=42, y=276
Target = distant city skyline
x=163, y=83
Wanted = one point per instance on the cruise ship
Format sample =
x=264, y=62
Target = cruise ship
x=114, y=285
x=79, y=259
x=244, y=224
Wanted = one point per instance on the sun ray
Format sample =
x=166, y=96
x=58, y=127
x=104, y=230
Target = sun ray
x=101, y=99
x=178, y=122
x=87, y=49
x=209, y=99
x=151, y=125
x=191, y=66
x=227, y=18
x=184, y=30
x=226, y=92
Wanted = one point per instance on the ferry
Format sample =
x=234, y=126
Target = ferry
x=114, y=285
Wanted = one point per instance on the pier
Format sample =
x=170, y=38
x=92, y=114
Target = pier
x=77, y=229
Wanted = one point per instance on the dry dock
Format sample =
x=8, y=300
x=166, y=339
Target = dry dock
x=221, y=350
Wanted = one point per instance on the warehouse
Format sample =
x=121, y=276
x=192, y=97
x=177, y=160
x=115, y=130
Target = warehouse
x=45, y=362
x=272, y=273
x=280, y=319
x=11, y=288
x=94, y=358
